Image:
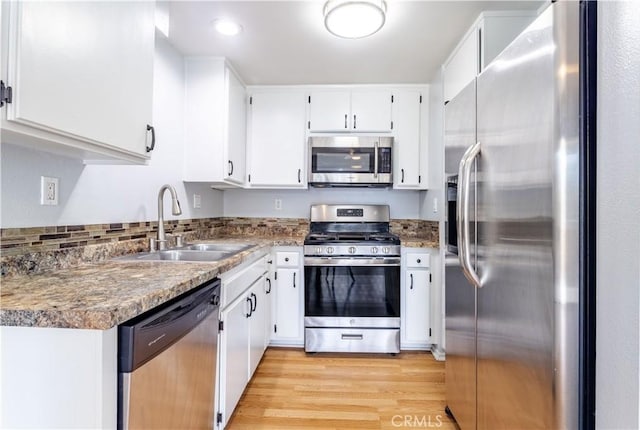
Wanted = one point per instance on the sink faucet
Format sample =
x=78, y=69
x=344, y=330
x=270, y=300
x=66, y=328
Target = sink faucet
x=175, y=209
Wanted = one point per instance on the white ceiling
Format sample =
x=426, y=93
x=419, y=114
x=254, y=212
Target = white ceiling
x=285, y=42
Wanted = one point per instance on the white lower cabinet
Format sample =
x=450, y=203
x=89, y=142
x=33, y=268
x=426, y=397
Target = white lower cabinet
x=415, y=323
x=257, y=322
x=234, y=354
x=288, y=296
x=242, y=333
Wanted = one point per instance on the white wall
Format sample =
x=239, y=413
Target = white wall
x=102, y=194
x=432, y=201
x=296, y=203
x=618, y=215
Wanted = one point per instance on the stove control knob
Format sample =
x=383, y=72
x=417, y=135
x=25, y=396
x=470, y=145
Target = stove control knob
x=352, y=250
x=385, y=250
x=329, y=249
x=374, y=250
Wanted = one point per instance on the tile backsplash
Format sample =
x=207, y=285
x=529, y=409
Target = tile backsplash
x=33, y=250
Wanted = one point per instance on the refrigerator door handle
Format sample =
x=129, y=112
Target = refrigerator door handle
x=462, y=219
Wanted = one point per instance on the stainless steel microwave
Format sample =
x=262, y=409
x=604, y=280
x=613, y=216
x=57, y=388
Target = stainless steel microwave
x=350, y=161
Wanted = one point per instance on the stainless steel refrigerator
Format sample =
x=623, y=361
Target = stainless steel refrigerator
x=512, y=158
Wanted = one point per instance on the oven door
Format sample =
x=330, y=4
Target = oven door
x=352, y=292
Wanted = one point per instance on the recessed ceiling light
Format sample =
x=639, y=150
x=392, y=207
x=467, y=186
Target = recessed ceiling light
x=354, y=19
x=227, y=27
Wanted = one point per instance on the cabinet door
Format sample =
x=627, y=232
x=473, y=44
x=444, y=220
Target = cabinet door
x=371, y=110
x=234, y=353
x=83, y=70
x=288, y=315
x=416, y=311
x=462, y=67
x=257, y=322
x=268, y=289
x=407, y=142
x=330, y=111
x=236, y=129
x=277, y=139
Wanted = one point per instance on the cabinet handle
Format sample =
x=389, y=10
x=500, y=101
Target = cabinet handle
x=299, y=172
x=411, y=276
x=269, y=289
x=345, y=120
x=248, y=314
x=402, y=172
x=354, y=122
x=294, y=279
x=230, y=167
x=254, y=303
x=153, y=137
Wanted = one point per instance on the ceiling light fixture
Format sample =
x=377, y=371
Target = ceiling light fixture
x=227, y=27
x=354, y=19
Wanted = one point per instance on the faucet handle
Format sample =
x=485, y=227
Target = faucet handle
x=153, y=244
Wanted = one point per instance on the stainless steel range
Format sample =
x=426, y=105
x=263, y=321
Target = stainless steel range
x=352, y=280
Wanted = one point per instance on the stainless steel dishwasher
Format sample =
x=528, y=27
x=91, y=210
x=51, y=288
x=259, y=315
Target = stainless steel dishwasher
x=167, y=363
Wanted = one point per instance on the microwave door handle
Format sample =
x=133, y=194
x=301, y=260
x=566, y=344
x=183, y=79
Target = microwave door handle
x=463, y=214
x=375, y=160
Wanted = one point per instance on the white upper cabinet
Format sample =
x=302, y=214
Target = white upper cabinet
x=371, y=110
x=81, y=75
x=486, y=38
x=215, y=124
x=410, y=133
x=344, y=110
x=277, y=139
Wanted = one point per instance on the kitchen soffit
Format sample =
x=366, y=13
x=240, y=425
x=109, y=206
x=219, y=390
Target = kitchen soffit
x=285, y=42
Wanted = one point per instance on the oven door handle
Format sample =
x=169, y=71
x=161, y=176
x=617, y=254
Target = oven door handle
x=351, y=261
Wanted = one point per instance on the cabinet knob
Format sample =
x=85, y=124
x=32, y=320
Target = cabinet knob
x=286, y=259
x=418, y=261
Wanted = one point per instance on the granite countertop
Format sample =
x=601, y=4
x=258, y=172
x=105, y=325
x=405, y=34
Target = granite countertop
x=418, y=242
x=102, y=295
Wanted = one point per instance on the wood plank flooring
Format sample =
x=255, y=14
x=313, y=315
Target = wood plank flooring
x=292, y=390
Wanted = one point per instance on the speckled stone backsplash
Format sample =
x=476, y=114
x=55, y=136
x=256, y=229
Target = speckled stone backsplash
x=34, y=250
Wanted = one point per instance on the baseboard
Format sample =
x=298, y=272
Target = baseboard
x=437, y=352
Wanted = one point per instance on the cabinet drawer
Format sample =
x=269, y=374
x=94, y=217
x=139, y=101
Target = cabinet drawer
x=287, y=259
x=418, y=259
x=235, y=285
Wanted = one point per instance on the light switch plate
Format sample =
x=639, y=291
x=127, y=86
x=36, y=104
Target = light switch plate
x=49, y=190
x=197, y=201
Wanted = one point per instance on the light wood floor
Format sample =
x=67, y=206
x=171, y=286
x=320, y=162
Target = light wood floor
x=292, y=390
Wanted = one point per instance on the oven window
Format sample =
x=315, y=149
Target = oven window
x=352, y=291
x=342, y=160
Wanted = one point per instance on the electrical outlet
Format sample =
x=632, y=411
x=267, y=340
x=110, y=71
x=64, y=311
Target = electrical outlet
x=435, y=205
x=278, y=204
x=49, y=191
x=197, y=201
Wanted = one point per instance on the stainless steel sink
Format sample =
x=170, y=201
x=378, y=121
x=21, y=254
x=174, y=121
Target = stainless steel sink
x=178, y=255
x=197, y=252
x=225, y=247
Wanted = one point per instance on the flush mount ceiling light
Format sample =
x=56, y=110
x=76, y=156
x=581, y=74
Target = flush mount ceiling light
x=354, y=19
x=227, y=27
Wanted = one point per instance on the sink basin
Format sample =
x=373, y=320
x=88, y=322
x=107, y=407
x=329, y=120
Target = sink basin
x=178, y=255
x=223, y=247
x=197, y=252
